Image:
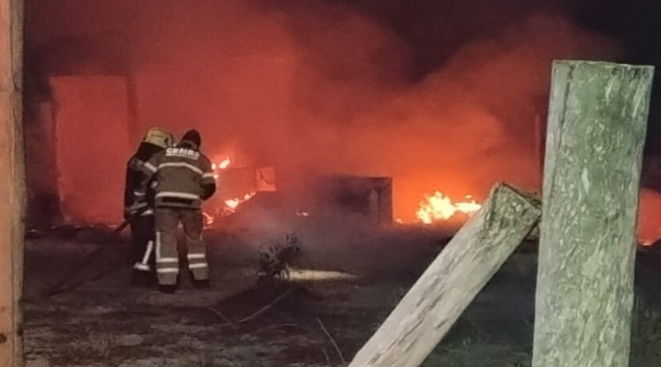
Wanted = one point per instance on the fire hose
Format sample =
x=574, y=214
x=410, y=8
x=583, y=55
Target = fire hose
x=69, y=282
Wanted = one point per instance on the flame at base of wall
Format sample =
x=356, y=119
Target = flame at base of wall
x=437, y=207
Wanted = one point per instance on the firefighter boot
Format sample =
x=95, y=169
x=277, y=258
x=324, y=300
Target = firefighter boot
x=167, y=289
x=143, y=279
x=202, y=284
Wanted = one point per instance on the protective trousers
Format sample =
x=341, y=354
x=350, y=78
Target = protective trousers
x=167, y=259
x=142, y=254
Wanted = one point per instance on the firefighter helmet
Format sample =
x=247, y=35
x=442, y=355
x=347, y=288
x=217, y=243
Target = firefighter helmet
x=159, y=137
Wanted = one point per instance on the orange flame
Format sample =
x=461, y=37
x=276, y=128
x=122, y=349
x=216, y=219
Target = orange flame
x=438, y=207
x=225, y=163
x=232, y=204
x=208, y=219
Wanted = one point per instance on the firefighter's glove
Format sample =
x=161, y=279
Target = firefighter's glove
x=133, y=209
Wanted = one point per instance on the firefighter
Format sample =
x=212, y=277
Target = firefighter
x=185, y=180
x=138, y=206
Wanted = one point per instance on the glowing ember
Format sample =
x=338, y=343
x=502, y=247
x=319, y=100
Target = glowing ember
x=438, y=207
x=302, y=214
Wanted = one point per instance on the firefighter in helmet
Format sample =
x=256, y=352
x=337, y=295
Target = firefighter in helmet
x=185, y=180
x=139, y=205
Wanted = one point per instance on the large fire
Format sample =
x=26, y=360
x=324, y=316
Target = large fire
x=438, y=207
x=433, y=208
x=230, y=204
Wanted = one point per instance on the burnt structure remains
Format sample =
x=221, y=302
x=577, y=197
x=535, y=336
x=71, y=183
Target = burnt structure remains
x=368, y=196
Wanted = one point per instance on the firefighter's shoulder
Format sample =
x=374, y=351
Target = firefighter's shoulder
x=205, y=159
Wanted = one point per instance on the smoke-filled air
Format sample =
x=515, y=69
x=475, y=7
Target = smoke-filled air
x=326, y=88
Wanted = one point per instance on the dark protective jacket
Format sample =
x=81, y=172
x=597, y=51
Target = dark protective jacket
x=133, y=193
x=183, y=175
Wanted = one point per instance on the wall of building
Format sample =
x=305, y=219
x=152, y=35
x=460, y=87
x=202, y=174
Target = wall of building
x=92, y=147
x=43, y=209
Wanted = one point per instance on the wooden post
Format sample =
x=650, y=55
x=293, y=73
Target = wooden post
x=595, y=137
x=12, y=186
x=451, y=282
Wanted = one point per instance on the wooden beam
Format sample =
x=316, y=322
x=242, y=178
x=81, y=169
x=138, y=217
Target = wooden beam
x=447, y=287
x=595, y=137
x=12, y=181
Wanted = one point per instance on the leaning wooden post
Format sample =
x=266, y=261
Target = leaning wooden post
x=448, y=286
x=595, y=137
x=12, y=184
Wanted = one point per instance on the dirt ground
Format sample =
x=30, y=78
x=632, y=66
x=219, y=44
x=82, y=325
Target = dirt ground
x=345, y=285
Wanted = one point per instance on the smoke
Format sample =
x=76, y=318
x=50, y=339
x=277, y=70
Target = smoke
x=325, y=88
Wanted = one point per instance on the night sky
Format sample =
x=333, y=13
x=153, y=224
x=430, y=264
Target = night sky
x=425, y=23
